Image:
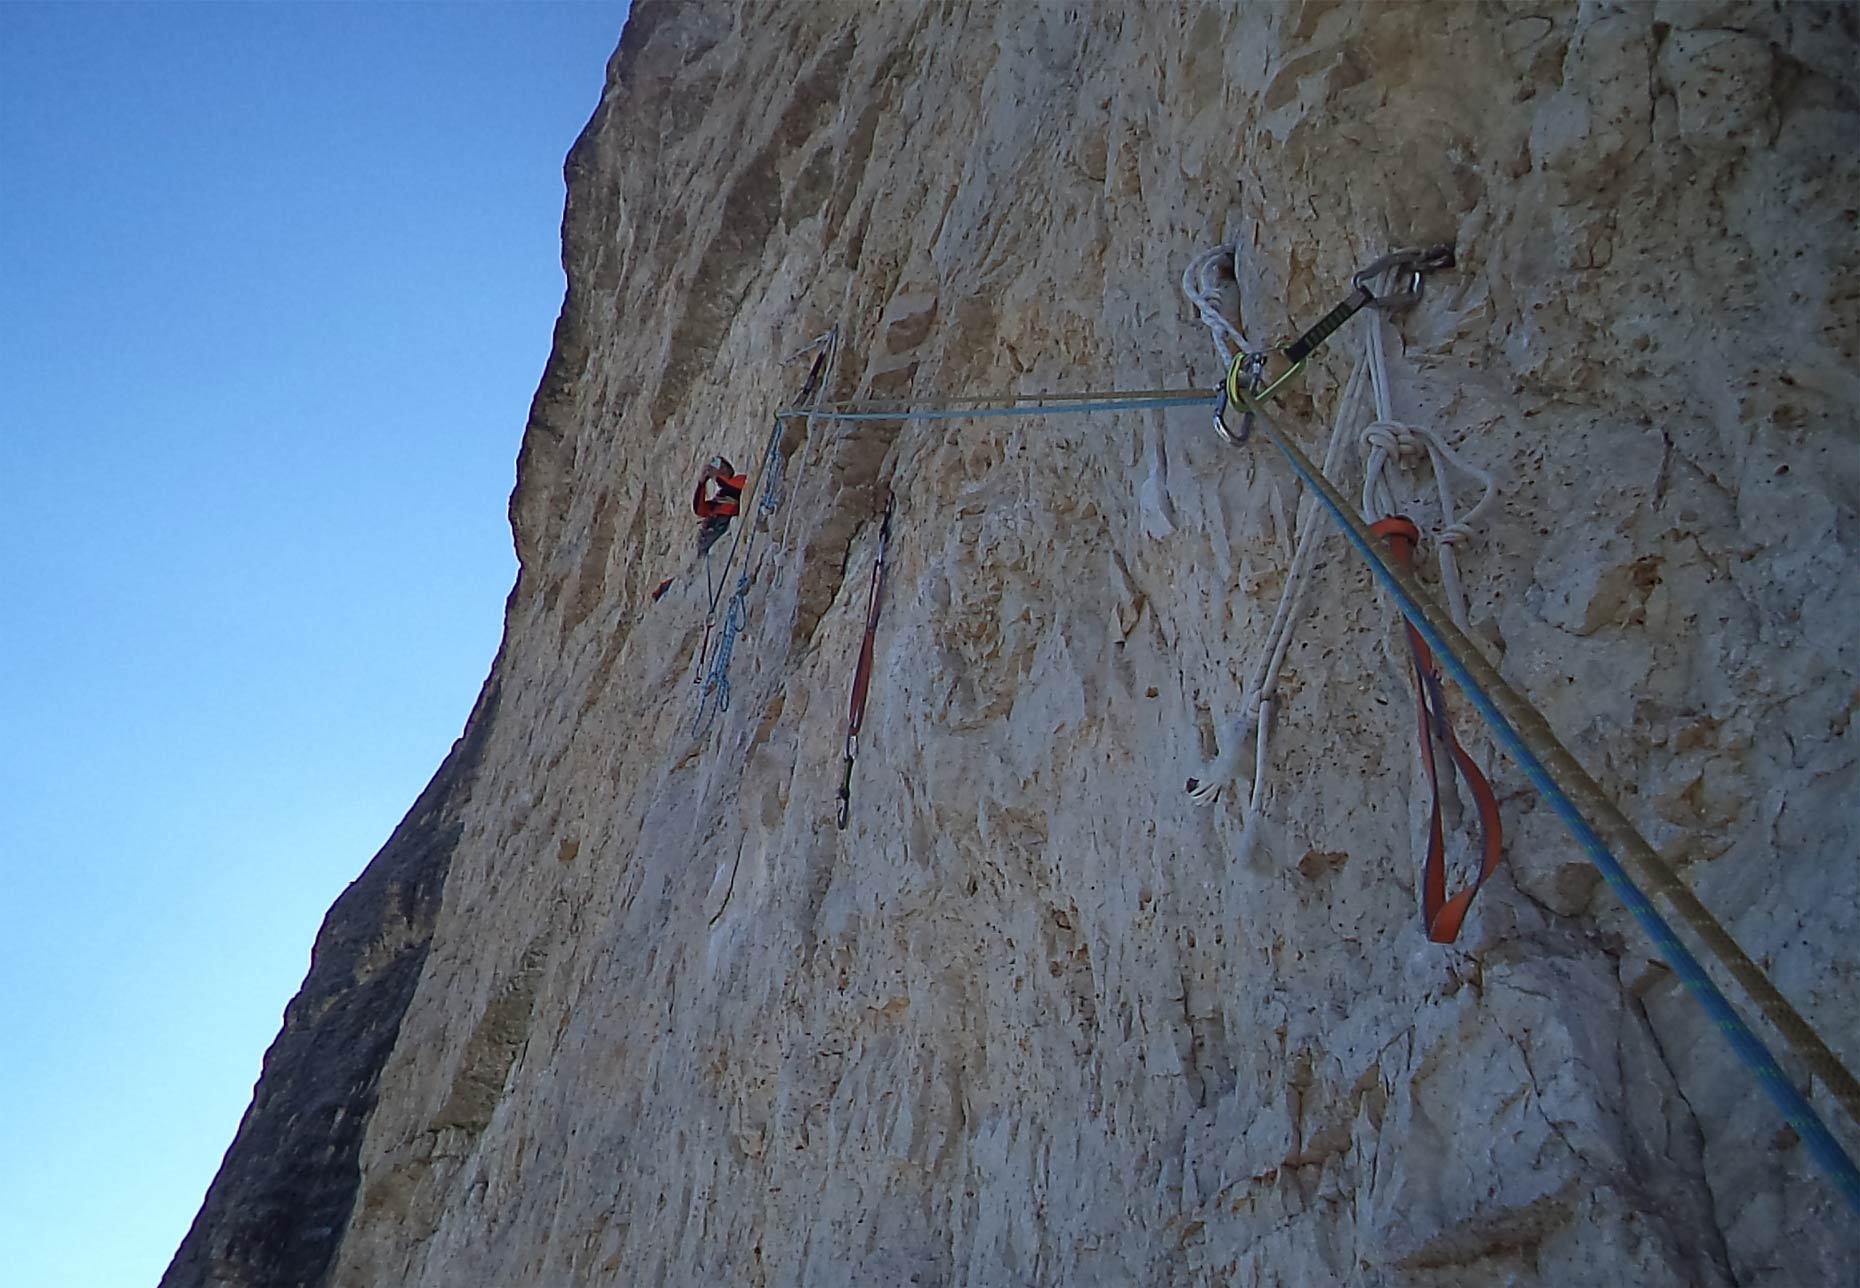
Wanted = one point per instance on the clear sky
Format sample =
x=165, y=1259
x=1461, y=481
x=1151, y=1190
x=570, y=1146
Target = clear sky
x=276, y=285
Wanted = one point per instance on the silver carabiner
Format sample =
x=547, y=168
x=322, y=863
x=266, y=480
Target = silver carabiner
x=1220, y=415
x=1412, y=264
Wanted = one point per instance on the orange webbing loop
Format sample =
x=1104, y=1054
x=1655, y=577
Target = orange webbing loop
x=1442, y=916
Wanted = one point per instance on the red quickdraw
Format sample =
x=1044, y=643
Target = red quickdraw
x=862, y=675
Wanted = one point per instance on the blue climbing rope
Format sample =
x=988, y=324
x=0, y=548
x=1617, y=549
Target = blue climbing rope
x=776, y=470
x=716, y=696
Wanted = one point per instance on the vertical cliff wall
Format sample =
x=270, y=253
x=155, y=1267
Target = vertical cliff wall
x=1030, y=1019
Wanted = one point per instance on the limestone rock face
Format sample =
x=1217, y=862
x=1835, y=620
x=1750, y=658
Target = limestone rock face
x=1034, y=1018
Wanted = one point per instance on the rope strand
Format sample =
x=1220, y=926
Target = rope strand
x=1006, y=405
x=1388, y=441
x=1257, y=703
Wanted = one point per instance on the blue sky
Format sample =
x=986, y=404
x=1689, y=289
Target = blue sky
x=276, y=285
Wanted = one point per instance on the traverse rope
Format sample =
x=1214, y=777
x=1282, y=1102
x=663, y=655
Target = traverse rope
x=1005, y=405
x=1592, y=818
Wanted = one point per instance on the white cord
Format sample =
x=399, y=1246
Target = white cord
x=1201, y=282
x=1387, y=442
x=1204, y=286
x=1257, y=703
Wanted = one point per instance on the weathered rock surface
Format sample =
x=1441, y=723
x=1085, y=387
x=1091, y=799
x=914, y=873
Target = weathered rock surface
x=1027, y=1020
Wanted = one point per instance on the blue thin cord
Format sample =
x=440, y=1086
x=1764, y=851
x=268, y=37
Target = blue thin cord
x=1046, y=409
x=1795, y=1107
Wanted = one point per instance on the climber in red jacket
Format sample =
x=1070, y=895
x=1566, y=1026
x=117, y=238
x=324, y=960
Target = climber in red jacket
x=717, y=507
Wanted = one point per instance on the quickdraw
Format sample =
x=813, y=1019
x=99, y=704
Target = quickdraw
x=862, y=674
x=1442, y=916
x=1246, y=385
